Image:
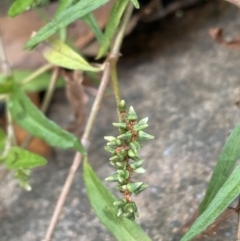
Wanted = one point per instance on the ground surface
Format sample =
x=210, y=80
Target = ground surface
x=187, y=85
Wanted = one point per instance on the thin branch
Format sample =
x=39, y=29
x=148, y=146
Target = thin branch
x=120, y=35
x=36, y=73
x=5, y=66
x=78, y=157
x=238, y=213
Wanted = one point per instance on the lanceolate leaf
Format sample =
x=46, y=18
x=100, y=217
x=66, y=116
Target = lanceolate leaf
x=90, y=20
x=113, y=22
x=228, y=157
x=62, y=55
x=74, y=12
x=135, y=3
x=102, y=203
x=227, y=193
x=31, y=119
x=19, y=6
x=19, y=158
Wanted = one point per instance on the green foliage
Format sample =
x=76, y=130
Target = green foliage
x=39, y=83
x=125, y=158
x=135, y=3
x=226, y=194
x=113, y=22
x=63, y=5
x=31, y=119
x=102, y=202
x=2, y=139
x=22, y=176
x=18, y=158
x=6, y=84
x=62, y=55
x=228, y=157
x=71, y=14
x=20, y=6
x=90, y=20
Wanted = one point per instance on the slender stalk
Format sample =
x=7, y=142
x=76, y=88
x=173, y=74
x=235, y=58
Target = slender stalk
x=46, y=101
x=78, y=157
x=36, y=73
x=120, y=35
x=50, y=90
x=5, y=66
x=114, y=77
x=238, y=227
x=114, y=55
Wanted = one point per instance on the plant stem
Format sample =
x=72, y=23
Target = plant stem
x=5, y=66
x=78, y=157
x=114, y=55
x=36, y=73
x=50, y=90
x=238, y=228
x=120, y=35
x=46, y=102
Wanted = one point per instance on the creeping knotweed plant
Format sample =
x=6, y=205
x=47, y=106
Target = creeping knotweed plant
x=124, y=150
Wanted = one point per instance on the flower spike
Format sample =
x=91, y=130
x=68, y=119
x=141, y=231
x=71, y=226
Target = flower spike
x=124, y=150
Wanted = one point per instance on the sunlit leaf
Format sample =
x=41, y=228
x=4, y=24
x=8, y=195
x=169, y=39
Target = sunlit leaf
x=90, y=20
x=74, y=12
x=135, y=3
x=19, y=6
x=18, y=158
x=226, y=194
x=113, y=22
x=227, y=159
x=62, y=55
x=25, y=113
x=102, y=202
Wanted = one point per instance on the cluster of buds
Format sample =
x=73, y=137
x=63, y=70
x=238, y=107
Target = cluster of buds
x=124, y=150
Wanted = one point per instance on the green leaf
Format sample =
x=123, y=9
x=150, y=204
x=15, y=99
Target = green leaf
x=102, y=202
x=74, y=12
x=90, y=20
x=63, y=5
x=227, y=159
x=6, y=84
x=22, y=175
x=31, y=119
x=40, y=83
x=62, y=55
x=135, y=3
x=20, y=6
x=18, y=158
x=227, y=193
x=113, y=22
x=2, y=139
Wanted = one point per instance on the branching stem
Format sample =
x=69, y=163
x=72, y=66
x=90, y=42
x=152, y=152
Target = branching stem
x=36, y=73
x=78, y=157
